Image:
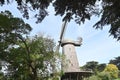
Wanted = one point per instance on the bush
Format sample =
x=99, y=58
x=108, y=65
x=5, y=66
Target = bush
x=112, y=70
x=104, y=76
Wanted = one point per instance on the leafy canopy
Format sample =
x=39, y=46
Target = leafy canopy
x=79, y=10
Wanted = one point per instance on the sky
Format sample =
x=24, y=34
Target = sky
x=97, y=45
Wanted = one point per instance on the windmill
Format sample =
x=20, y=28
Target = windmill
x=70, y=65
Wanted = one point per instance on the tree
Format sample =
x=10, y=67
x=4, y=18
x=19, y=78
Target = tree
x=24, y=58
x=116, y=62
x=113, y=70
x=94, y=66
x=35, y=65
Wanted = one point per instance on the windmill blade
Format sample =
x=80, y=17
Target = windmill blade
x=61, y=35
x=63, y=30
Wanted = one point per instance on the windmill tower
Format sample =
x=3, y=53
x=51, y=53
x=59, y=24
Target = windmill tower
x=70, y=64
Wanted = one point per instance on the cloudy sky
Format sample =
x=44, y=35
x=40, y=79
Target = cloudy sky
x=97, y=45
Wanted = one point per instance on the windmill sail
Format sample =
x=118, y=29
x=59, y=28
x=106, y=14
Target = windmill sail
x=61, y=35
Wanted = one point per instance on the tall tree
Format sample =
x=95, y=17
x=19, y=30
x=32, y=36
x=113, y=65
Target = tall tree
x=33, y=64
x=12, y=30
x=24, y=58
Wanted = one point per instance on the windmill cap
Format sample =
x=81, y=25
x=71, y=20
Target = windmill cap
x=69, y=41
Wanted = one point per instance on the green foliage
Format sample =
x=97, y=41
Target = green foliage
x=11, y=30
x=113, y=70
x=91, y=65
x=104, y=76
x=39, y=6
x=101, y=67
x=79, y=10
x=82, y=9
x=116, y=62
x=101, y=76
x=94, y=66
x=110, y=16
x=117, y=79
x=94, y=78
x=103, y=72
